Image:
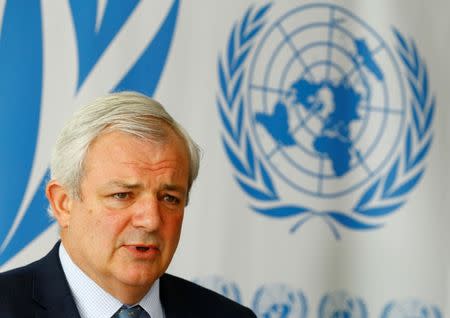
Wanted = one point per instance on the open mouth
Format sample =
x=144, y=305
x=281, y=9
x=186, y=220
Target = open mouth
x=142, y=248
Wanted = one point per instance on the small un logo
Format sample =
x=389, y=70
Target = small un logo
x=316, y=107
x=279, y=301
x=340, y=304
x=410, y=308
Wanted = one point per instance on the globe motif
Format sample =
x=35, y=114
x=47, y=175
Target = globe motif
x=279, y=301
x=412, y=308
x=340, y=304
x=326, y=100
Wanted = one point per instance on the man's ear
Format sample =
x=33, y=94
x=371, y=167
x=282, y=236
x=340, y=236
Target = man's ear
x=60, y=202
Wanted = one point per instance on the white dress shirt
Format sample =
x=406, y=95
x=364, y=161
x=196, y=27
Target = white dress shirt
x=94, y=302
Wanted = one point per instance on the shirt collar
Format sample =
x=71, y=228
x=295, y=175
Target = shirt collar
x=93, y=301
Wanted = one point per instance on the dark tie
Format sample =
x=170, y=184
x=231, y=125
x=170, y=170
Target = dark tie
x=131, y=312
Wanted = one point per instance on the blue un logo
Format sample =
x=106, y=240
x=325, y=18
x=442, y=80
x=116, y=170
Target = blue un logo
x=410, y=308
x=279, y=301
x=55, y=80
x=340, y=304
x=323, y=112
x=319, y=109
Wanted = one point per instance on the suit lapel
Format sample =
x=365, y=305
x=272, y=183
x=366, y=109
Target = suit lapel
x=66, y=308
x=173, y=304
x=51, y=290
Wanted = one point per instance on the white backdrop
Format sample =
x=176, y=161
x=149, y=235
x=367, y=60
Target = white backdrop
x=331, y=265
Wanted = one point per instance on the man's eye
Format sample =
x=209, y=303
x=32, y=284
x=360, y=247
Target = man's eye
x=171, y=199
x=121, y=195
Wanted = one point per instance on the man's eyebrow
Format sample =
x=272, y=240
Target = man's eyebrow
x=174, y=187
x=127, y=185
x=122, y=184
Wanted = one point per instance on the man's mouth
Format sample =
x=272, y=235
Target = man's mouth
x=143, y=250
x=143, y=247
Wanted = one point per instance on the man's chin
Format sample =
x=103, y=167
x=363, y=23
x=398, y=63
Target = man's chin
x=139, y=277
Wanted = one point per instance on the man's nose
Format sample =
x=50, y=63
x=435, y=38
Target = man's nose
x=146, y=214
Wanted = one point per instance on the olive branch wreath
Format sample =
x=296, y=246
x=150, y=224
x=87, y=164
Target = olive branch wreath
x=382, y=197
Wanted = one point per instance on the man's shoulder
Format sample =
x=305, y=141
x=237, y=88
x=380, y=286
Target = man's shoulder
x=18, y=277
x=16, y=290
x=199, y=300
x=27, y=272
x=21, y=283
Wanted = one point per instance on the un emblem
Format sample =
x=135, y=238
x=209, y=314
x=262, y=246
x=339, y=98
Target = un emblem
x=279, y=301
x=410, y=308
x=27, y=53
x=340, y=304
x=318, y=110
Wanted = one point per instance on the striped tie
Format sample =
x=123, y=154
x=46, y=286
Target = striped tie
x=131, y=312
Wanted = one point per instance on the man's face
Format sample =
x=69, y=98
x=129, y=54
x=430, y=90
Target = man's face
x=125, y=228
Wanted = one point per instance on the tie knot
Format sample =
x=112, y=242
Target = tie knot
x=129, y=312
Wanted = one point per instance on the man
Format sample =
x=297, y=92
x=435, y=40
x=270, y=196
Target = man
x=121, y=172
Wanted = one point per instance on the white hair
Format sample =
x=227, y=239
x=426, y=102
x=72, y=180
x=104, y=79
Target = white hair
x=128, y=112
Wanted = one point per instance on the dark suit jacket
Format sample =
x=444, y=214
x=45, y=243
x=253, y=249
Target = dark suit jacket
x=41, y=290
